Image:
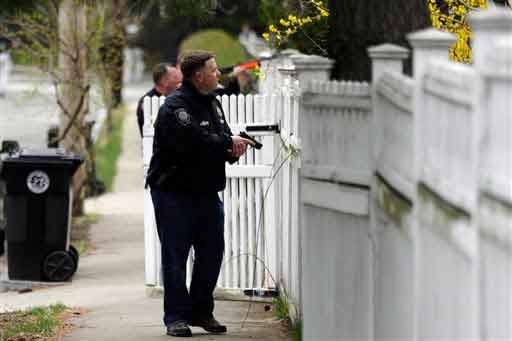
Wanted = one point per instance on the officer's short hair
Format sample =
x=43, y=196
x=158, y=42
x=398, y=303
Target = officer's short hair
x=192, y=61
x=159, y=71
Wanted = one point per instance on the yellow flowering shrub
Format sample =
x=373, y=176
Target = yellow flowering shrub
x=279, y=33
x=453, y=18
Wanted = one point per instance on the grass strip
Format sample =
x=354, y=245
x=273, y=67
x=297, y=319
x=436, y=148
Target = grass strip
x=31, y=324
x=282, y=312
x=108, y=148
x=80, y=237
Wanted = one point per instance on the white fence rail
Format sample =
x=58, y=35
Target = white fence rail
x=393, y=131
x=336, y=116
x=447, y=132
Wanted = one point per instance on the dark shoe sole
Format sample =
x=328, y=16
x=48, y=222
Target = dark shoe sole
x=180, y=334
x=220, y=330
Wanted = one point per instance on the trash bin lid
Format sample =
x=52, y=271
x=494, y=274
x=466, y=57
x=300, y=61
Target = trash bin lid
x=54, y=166
x=45, y=156
x=45, y=153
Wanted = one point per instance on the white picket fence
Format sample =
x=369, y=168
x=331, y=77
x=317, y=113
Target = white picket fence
x=255, y=200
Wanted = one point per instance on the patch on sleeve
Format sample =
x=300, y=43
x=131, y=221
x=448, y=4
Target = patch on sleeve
x=183, y=117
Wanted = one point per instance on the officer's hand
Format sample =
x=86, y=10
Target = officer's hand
x=239, y=146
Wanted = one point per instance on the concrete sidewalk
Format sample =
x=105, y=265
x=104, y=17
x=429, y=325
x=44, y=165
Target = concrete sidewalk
x=110, y=282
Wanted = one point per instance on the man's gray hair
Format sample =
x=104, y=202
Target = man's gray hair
x=160, y=70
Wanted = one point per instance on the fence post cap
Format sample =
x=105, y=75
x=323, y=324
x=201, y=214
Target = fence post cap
x=431, y=37
x=388, y=51
x=289, y=52
x=306, y=61
x=494, y=18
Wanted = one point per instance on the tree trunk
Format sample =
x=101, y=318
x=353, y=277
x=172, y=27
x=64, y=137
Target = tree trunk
x=117, y=46
x=73, y=89
x=358, y=24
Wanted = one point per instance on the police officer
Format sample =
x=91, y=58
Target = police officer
x=166, y=78
x=192, y=143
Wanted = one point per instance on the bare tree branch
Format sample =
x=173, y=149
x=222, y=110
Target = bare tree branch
x=72, y=117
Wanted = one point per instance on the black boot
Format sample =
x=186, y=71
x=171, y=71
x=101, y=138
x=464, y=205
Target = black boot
x=179, y=328
x=209, y=324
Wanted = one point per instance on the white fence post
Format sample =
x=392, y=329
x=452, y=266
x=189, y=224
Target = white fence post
x=446, y=131
x=151, y=241
x=488, y=27
x=272, y=81
x=429, y=44
x=290, y=234
x=390, y=204
x=311, y=67
x=387, y=57
x=295, y=75
x=495, y=212
x=307, y=68
x=492, y=50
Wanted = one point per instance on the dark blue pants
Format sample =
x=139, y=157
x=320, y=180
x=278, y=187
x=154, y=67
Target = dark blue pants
x=186, y=220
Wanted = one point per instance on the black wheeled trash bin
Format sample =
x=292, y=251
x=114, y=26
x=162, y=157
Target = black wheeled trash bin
x=38, y=213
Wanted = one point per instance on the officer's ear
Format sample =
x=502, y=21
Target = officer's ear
x=197, y=77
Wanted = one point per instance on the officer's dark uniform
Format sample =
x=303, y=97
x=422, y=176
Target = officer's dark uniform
x=186, y=173
x=140, y=107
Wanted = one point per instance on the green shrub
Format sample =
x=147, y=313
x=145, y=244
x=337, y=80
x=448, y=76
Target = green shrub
x=21, y=57
x=228, y=51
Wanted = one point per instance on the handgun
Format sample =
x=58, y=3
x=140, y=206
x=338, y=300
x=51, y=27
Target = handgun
x=256, y=145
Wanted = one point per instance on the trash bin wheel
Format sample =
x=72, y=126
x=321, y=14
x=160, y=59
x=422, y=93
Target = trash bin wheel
x=74, y=253
x=59, y=266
